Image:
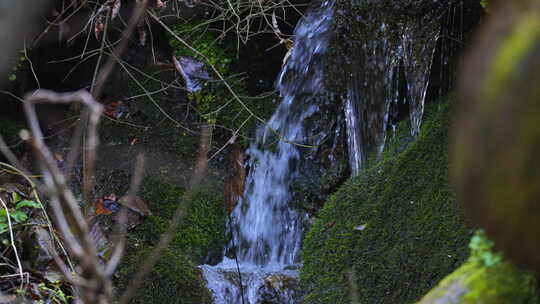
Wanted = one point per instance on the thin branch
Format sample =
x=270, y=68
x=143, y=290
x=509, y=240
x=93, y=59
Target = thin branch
x=12, y=239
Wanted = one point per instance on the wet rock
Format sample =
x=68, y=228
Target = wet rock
x=405, y=248
x=391, y=54
x=258, y=285
x=277, y=289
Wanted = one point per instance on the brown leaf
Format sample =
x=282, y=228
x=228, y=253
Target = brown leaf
x=235, y=187
x=136, y=204
x=116, y=109
x=101, y=209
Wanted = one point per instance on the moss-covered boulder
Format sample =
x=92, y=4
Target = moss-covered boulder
x=497, y=135
x=390, y=234
x=174, y=279
x=485, y=278
x=201, y=235
x=200, y=239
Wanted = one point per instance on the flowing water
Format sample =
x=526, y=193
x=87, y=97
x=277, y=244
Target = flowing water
x=266, y=231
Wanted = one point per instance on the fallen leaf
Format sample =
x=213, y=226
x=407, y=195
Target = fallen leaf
x=136, y=204
x=192, y=71
x=101, y=209
x=116, y=110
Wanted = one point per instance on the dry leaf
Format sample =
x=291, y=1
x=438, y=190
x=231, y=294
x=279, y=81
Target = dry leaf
x=192, y=71
x=116, y=109
x=136, y=204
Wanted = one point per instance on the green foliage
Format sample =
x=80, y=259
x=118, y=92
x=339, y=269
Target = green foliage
x=411, y=233
x=54, y=289
x=27, y=203
x=215, y=103
x=19, y=214
x=481, y=250
x=484, y=3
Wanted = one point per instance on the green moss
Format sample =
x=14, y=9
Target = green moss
x=174, y=279
x=202, y=232
x=485, y=278
x=204, y=42
x=214, y=102
x=200, y=238
x=397, y=227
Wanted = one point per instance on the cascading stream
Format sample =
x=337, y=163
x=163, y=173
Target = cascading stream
x=266, y=231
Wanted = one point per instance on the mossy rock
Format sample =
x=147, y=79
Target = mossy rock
x=485, y=278
x=391, y=233
x=201, y=235
x=174, y=279
x=497, y=134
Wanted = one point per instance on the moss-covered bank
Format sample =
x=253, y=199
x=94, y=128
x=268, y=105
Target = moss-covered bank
x=202, y=232
x=392, y=233
x=200, y=239
x=174, y=279
x=485, y=278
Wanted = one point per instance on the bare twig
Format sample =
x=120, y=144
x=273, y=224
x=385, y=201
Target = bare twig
x=126, y=34
x=12, y=240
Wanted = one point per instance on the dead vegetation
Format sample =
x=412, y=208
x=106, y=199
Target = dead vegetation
x=41, y=209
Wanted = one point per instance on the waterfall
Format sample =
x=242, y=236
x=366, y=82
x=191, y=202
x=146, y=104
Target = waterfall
x=354, y=139
x=266, y=231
